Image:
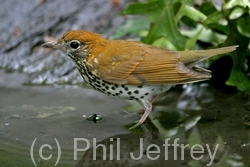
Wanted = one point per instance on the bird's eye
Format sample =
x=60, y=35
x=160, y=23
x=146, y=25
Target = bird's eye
x=74, y=44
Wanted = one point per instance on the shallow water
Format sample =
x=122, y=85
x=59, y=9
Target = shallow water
x=217, y=121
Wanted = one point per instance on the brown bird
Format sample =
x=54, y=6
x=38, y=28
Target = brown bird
x=130, y=69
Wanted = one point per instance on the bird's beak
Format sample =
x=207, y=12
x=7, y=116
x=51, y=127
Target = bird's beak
x=53, y=45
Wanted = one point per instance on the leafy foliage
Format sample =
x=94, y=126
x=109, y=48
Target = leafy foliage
x=180, y=24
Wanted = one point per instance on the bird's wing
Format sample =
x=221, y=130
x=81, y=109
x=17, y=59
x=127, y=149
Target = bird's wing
x=138, y=64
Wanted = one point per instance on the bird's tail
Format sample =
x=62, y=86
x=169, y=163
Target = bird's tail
x=190, y=58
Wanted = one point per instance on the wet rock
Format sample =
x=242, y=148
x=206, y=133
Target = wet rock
x=25, y=25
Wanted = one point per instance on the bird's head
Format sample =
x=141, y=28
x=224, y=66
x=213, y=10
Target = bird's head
x=77, y=44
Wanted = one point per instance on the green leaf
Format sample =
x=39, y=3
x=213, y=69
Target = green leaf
x=215, y=18
x=239, y=79
x=217, y=22
x=190, y=12
x=164, y=43
x=193, y=40
x=149, y=9
x=243, y=26
x=162, y=16
x=206, y=35
x=132, y=26
x=233, y=3
x=207, y=8
x=236, y=13
x=186, y=2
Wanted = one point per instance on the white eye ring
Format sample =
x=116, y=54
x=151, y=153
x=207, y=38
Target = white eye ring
x=74, y=44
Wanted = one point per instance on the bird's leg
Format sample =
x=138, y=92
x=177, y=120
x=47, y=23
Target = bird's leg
x=148, y=108
x=141, y=110
x=151, y=101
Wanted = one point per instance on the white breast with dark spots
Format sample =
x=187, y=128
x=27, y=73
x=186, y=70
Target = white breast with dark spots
x=121, y=91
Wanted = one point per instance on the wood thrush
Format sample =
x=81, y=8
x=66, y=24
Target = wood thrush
x=132, y=70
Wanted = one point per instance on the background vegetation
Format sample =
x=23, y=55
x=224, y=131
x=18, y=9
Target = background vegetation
x=184, y=24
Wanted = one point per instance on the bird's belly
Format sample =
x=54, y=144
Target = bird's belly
x=125, y=91
x=143, y=91
x=130, y=92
